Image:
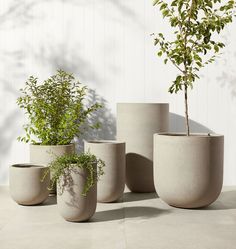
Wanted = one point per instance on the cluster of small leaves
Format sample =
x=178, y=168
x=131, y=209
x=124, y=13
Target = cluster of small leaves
x=194, y=22
x=55, y=109
x=62, y=167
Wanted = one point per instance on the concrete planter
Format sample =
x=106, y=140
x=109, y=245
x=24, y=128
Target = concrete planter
x=72, y=205
x=26, y=187
x=45, y=154
x=136, y=124
x=188, y=171
x=112, y=183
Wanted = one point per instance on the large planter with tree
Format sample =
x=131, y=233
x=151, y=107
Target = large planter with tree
x=76, y=177
x=136, y=124
x=189, y=167
x=112, y=183
x=56, y=113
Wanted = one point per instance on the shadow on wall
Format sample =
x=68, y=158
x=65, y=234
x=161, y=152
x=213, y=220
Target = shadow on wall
x=8, y=133
x=107, y=120
x=228, y=78
x=51, y=56
x=118, y=4
x=177, y=124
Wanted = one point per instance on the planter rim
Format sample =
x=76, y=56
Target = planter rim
x=57, y=145
x=192, y=135
x=104, y=142
x=28, y=166
x=142, y=103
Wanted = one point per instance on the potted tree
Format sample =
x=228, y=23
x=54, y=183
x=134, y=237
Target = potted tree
x=56, y=112
x=189, y=167
x=76, y=177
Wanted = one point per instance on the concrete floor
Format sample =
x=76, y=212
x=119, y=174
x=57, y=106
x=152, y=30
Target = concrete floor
x=139, y=221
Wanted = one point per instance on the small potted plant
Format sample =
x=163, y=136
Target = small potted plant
x=76, y=177
x=56, y=113
x=189, y=167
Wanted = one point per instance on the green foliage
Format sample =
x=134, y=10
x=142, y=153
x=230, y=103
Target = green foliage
x=55, y=109
x=63, y=166
x=194, y=23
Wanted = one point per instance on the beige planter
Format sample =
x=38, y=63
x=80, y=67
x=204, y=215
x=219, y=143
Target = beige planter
x=45, y=154
x=26, y=187
x=188, y=171
x=112, y=183
x=136, y=124
x=71, y=204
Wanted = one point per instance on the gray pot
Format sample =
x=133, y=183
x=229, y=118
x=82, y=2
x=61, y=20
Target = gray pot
x=26, y=187
x=136, y=124
x=188, y=171
x=45, y=154
x=112, y=183
x=72, y=205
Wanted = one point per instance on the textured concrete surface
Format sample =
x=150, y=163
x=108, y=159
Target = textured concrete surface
x=138, y=221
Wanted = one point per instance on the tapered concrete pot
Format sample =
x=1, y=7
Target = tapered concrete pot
x=112, y=183
x=188, y=171
x=136, y=124
x=45, y=154
x=72, y=205
x=26, y=185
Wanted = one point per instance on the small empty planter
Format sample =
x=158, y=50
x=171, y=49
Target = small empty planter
x=26, y=185
x=112, y=183
x=72, y=205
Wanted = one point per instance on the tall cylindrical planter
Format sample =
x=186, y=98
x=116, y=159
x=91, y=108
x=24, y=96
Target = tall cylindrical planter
x=72, y=205
x=112, y=183
x=188, y=170
x=26, y=185
x=136, y=124
x=45, y=154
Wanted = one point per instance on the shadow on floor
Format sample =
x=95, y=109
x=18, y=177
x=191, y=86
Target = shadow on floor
x=226, y=200
x=128, y=212
x=51, y=200
x=130, y=197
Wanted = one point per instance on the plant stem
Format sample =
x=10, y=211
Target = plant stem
x=186, y=110
x=186, y=72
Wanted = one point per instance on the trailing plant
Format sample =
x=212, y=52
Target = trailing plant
x=194, y=23
x=63, y=166
x=55, y=109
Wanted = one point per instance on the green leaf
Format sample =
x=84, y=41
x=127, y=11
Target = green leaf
x=155, y=2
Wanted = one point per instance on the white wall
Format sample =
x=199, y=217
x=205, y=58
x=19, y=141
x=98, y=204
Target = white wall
x=107, y=44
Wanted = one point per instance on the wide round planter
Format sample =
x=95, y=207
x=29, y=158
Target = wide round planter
x=45, y=154
x=136, y=124
x=26, y=185
x=188, y=170
x=72, y=205
x=111, y=185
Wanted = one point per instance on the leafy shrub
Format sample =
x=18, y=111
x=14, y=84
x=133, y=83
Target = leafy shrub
x=55, y=109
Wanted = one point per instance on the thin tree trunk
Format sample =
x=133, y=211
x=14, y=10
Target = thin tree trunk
x=186, y=110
